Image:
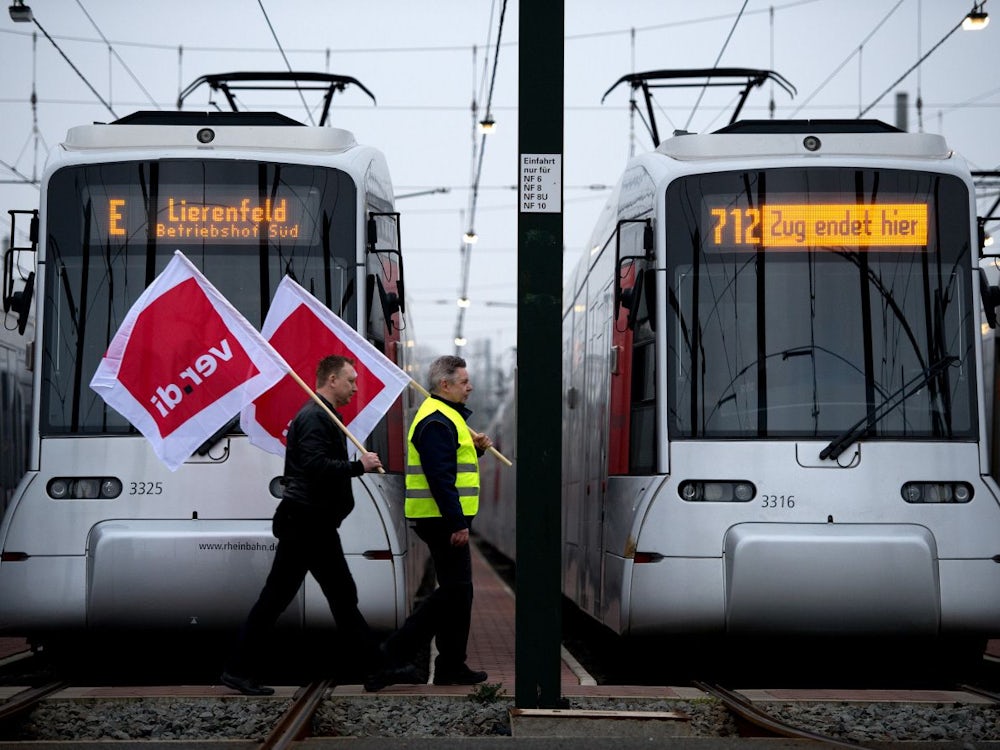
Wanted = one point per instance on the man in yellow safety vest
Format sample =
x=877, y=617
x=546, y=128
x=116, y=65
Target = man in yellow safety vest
x=442, y=496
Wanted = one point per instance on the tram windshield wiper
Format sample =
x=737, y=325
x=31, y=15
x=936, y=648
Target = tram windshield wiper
x=230, y=426
x=839, y=444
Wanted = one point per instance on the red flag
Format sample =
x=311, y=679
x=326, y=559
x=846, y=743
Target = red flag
x=303, y=331
x=183, y=363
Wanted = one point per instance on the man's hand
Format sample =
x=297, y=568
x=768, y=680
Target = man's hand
x=371, y=461
x=482, y=441
x=460, y=538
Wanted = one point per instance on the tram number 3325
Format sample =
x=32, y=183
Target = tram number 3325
x=145, y=488
x=777, y=501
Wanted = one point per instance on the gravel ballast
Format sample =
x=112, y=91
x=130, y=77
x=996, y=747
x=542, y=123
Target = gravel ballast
x=434, y=716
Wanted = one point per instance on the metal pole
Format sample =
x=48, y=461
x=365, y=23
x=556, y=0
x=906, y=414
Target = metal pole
x=538, y=621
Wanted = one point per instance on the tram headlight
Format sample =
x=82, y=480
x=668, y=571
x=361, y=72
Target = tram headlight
x=58, y=488
x=714, y=492
x=717, y=491
x=84, y=488
x=277, y=487
x=937, y=492
x=111, y=488
x=689, y=491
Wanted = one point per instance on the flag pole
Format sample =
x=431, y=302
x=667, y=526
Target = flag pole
x=500, y=456
x=315, y=397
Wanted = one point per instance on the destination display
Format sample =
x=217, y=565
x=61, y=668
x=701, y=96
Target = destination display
x=229, y=218
x=789, y=225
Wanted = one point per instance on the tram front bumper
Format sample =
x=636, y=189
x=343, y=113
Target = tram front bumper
x=866, y=579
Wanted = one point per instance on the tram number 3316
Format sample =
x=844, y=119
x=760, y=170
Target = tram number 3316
x=777, y=501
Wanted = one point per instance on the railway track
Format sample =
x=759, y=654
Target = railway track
x=23, y=702
x=281, y=722
x=761, y=721
x=978, y=690
x=292, y=726
x=296, y=723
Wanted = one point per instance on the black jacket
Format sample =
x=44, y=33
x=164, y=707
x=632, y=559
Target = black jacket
x=317, y=481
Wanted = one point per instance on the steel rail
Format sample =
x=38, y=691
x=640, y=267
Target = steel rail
x=294, y=724
x=746, y=710
x=982, y=692
x=26, y=700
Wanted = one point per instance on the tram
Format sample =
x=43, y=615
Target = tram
x=775, y=416
x=99, y=535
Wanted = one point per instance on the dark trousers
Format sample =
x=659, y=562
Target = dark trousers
x=304, y=546
x=447, y=613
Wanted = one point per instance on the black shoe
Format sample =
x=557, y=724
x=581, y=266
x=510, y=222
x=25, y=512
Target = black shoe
x=407, y=674
x=245, y=685
x=461, y=676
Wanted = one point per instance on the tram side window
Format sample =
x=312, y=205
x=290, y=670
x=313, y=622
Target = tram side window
x=383, y=330
x=378, y=441
x=13, y=426
x=642, y=425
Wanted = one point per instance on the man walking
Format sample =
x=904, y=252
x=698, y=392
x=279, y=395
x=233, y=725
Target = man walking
x=442, y=497
x=317, y=497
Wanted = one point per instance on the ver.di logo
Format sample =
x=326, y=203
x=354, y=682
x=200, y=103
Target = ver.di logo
x=181, y=357
x=169, y=396
x=276, y=408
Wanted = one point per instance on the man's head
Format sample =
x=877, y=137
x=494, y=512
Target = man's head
x=448, y=378
x=336, y=379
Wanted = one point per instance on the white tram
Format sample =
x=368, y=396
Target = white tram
x=774, y=407
x=99, y=534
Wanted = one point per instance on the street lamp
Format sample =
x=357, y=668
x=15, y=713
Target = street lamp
x=977, y=19
x=20, y=13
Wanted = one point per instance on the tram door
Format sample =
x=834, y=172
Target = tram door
x=586, y=347
x=574, y=326
x=594, y=440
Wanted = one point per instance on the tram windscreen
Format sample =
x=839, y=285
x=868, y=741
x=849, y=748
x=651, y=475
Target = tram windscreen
x=803, y=301
x=111, y=228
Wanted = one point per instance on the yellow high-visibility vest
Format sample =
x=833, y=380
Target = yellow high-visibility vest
x=419, y=501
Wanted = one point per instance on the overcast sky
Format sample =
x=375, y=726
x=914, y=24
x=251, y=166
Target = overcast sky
x=426, y=62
